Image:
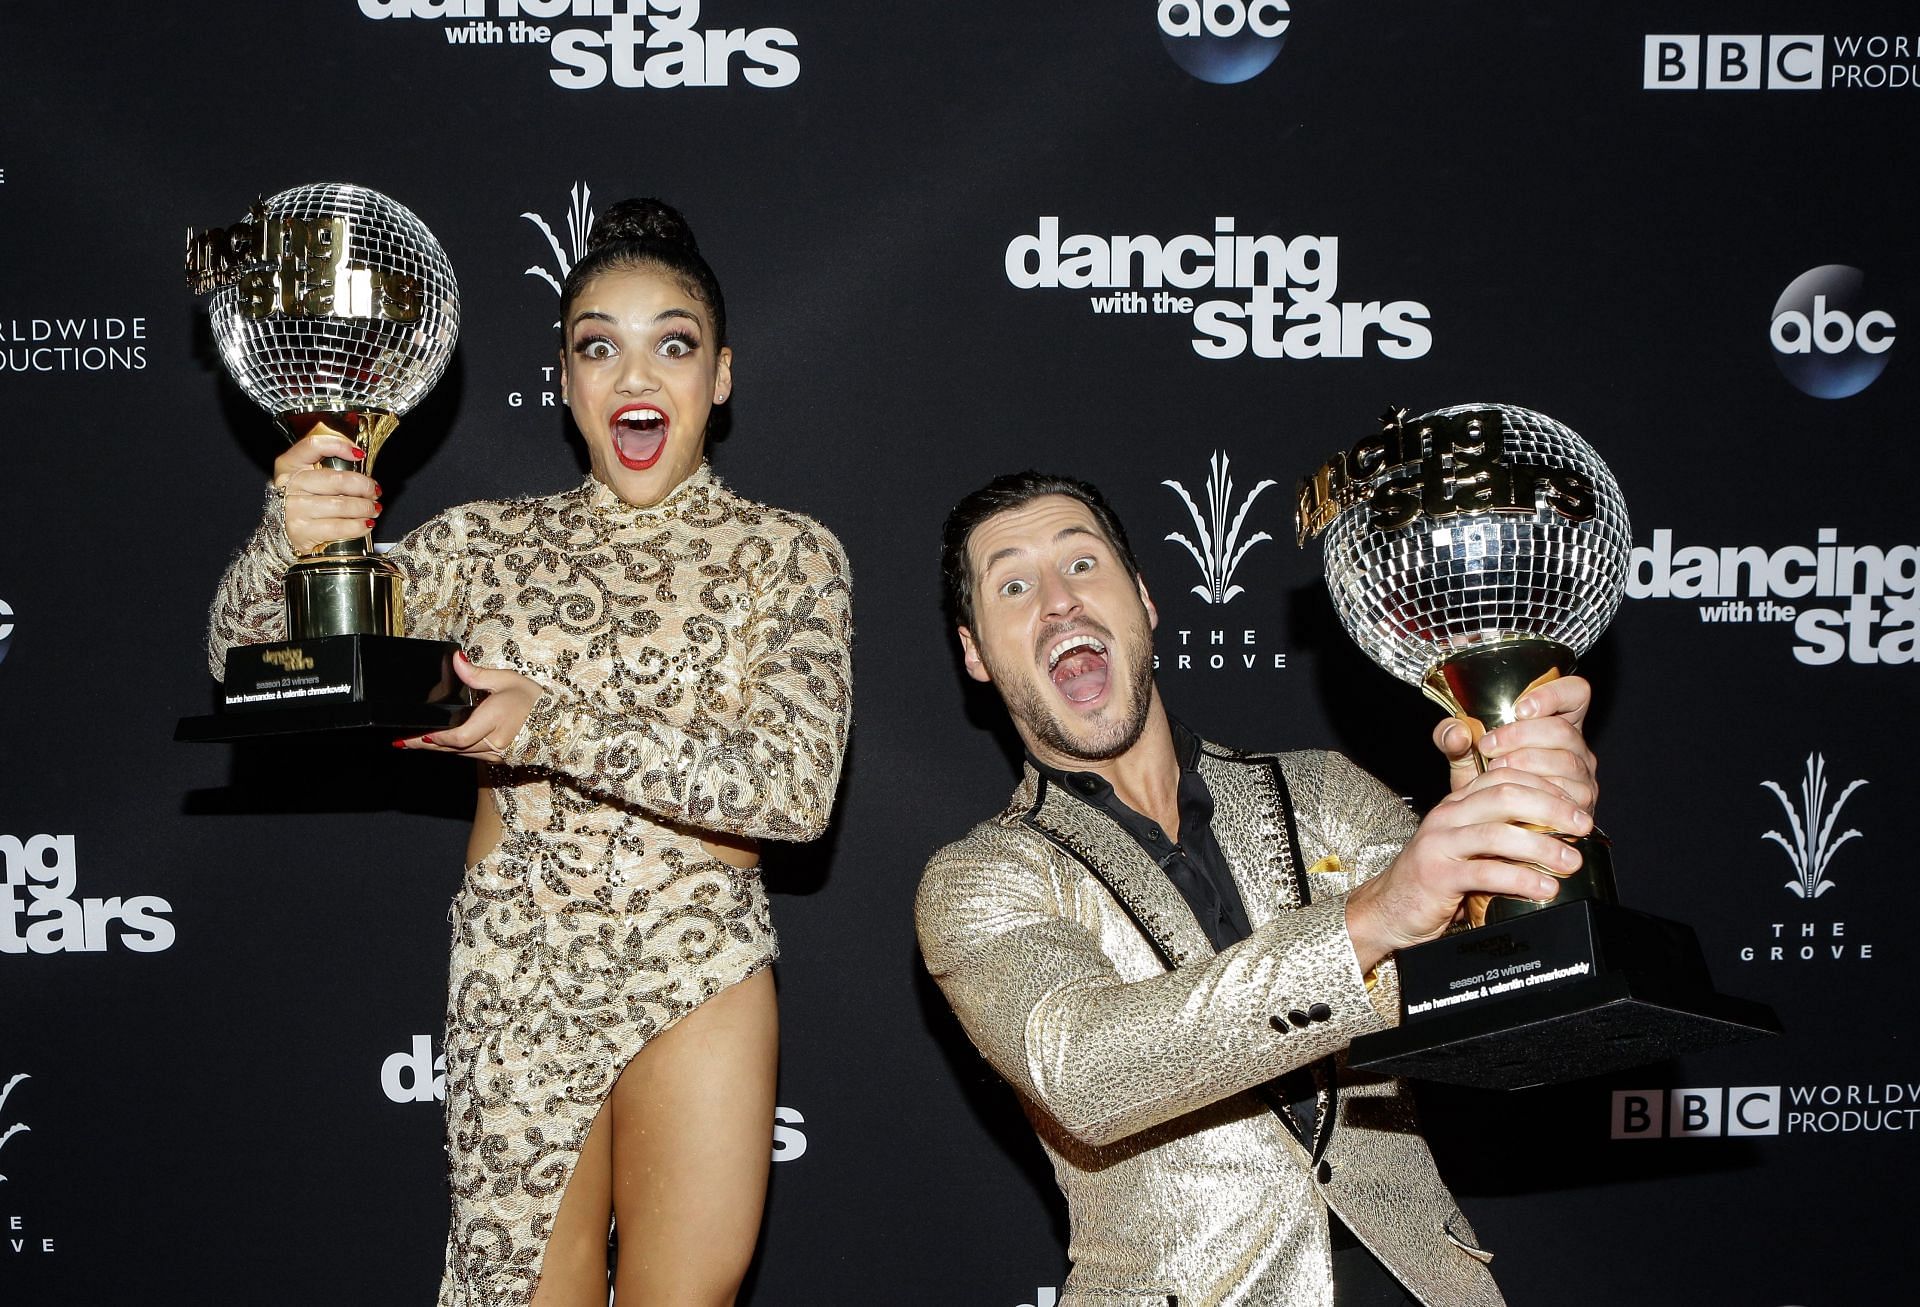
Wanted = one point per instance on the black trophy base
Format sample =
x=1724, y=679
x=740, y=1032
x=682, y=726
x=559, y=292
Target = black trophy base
x=1572, y=991
x=379, y=683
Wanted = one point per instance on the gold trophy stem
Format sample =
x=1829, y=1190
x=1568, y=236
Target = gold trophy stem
x=1480, y=686
x=345, y=589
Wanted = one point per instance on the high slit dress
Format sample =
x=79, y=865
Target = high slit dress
x=695, y=657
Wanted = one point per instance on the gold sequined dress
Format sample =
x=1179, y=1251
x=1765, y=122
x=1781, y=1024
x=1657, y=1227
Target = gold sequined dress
x=695, y=657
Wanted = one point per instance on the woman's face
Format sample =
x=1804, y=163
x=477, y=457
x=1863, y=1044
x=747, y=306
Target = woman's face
x=641, y=374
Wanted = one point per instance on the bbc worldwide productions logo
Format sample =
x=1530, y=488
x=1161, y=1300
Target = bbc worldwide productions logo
x=1224, y=41
x=1750, y=1111
x=1734, y=63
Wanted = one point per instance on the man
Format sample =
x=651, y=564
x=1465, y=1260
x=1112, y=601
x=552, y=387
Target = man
x=1166, y=946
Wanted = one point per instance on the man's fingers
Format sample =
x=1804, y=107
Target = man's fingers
x=1567, y=696
x=1511, y=795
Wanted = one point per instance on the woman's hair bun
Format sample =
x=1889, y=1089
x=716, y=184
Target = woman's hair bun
x=643, y=221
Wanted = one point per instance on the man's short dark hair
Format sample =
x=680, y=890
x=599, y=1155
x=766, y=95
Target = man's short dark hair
x=1004, y=494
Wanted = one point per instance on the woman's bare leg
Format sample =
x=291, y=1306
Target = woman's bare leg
x=573, y=1271
x=692, y=1144
x=680, y=1152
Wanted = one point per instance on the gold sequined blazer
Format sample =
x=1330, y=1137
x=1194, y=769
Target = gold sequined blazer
x=1141, y=1054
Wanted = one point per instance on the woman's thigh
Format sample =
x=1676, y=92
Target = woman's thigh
x=692, y=1144
x=679, y=1153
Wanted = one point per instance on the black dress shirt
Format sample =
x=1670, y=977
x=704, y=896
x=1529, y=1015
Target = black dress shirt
x=1199, y=871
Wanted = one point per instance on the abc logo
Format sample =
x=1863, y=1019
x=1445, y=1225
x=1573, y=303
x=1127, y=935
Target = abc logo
x=1826, y=339
x=1224, y=41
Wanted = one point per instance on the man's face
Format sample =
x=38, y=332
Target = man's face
x=1061, y=630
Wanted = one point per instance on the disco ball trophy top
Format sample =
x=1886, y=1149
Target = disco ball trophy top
x=1475, y=552
x=335, y=309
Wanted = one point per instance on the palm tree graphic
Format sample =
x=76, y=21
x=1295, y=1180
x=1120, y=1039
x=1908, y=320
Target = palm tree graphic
x=579, y=223
x=1220, y=549
x=17, y=1127
x=1813, y=845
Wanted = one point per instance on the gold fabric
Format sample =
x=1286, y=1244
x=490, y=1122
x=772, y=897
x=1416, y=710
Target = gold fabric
x=1182, y=1186
x=696, y=662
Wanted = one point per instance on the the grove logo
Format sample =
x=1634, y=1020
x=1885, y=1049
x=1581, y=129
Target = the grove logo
x=1217, y=547
x=580, y=216
x=6, y=629
x=1810, y=939
x=1828, y=338
x=18, y=1127
x=1220, y=548
x=1813, y=844
x=1224, y=41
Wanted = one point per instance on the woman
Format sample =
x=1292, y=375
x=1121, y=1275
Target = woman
x=666, y=671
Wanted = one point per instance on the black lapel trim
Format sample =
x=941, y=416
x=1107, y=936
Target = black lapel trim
x=1285, y=797
x=1146, y=921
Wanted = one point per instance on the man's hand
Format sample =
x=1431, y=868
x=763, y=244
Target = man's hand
x=1546, y=740
x=1539, y=772
x=495, y=720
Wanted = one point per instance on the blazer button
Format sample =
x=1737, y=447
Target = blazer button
x=1319, y=1012
x=1298, y=1018
x=1280, y=1023
x=1323, y=1172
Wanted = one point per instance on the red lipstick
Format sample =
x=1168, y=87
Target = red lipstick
x=639, y=435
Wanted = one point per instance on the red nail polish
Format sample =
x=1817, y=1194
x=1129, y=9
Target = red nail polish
x=376, y=490
x=358, y=452
x=399, y=744
x=426, y=739
x=369, y=522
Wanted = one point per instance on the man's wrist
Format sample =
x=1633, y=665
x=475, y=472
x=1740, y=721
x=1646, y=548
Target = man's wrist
x=1371, y=945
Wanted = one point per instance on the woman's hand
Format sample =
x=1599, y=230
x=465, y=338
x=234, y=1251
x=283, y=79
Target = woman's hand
x=324, y=504
x=494, y=721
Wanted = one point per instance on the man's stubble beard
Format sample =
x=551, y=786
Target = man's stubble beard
x=1027, y=705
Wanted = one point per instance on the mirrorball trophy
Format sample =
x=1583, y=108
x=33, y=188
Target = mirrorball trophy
x=335, y=309
x=1476, y=552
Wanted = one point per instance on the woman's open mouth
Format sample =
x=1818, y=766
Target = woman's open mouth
x=639, y=435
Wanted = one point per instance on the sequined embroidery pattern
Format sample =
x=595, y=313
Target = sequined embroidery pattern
x=695, y=658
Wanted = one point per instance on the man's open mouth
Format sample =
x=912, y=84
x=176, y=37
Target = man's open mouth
x=1078, y=666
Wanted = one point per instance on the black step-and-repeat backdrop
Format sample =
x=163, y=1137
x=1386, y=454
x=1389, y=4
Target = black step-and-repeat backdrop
x=1184, y=249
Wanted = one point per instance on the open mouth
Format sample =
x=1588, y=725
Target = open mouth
x=1078, y=667
x=639, y=435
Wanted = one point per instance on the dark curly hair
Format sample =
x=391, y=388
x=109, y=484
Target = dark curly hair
x=647, y=233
